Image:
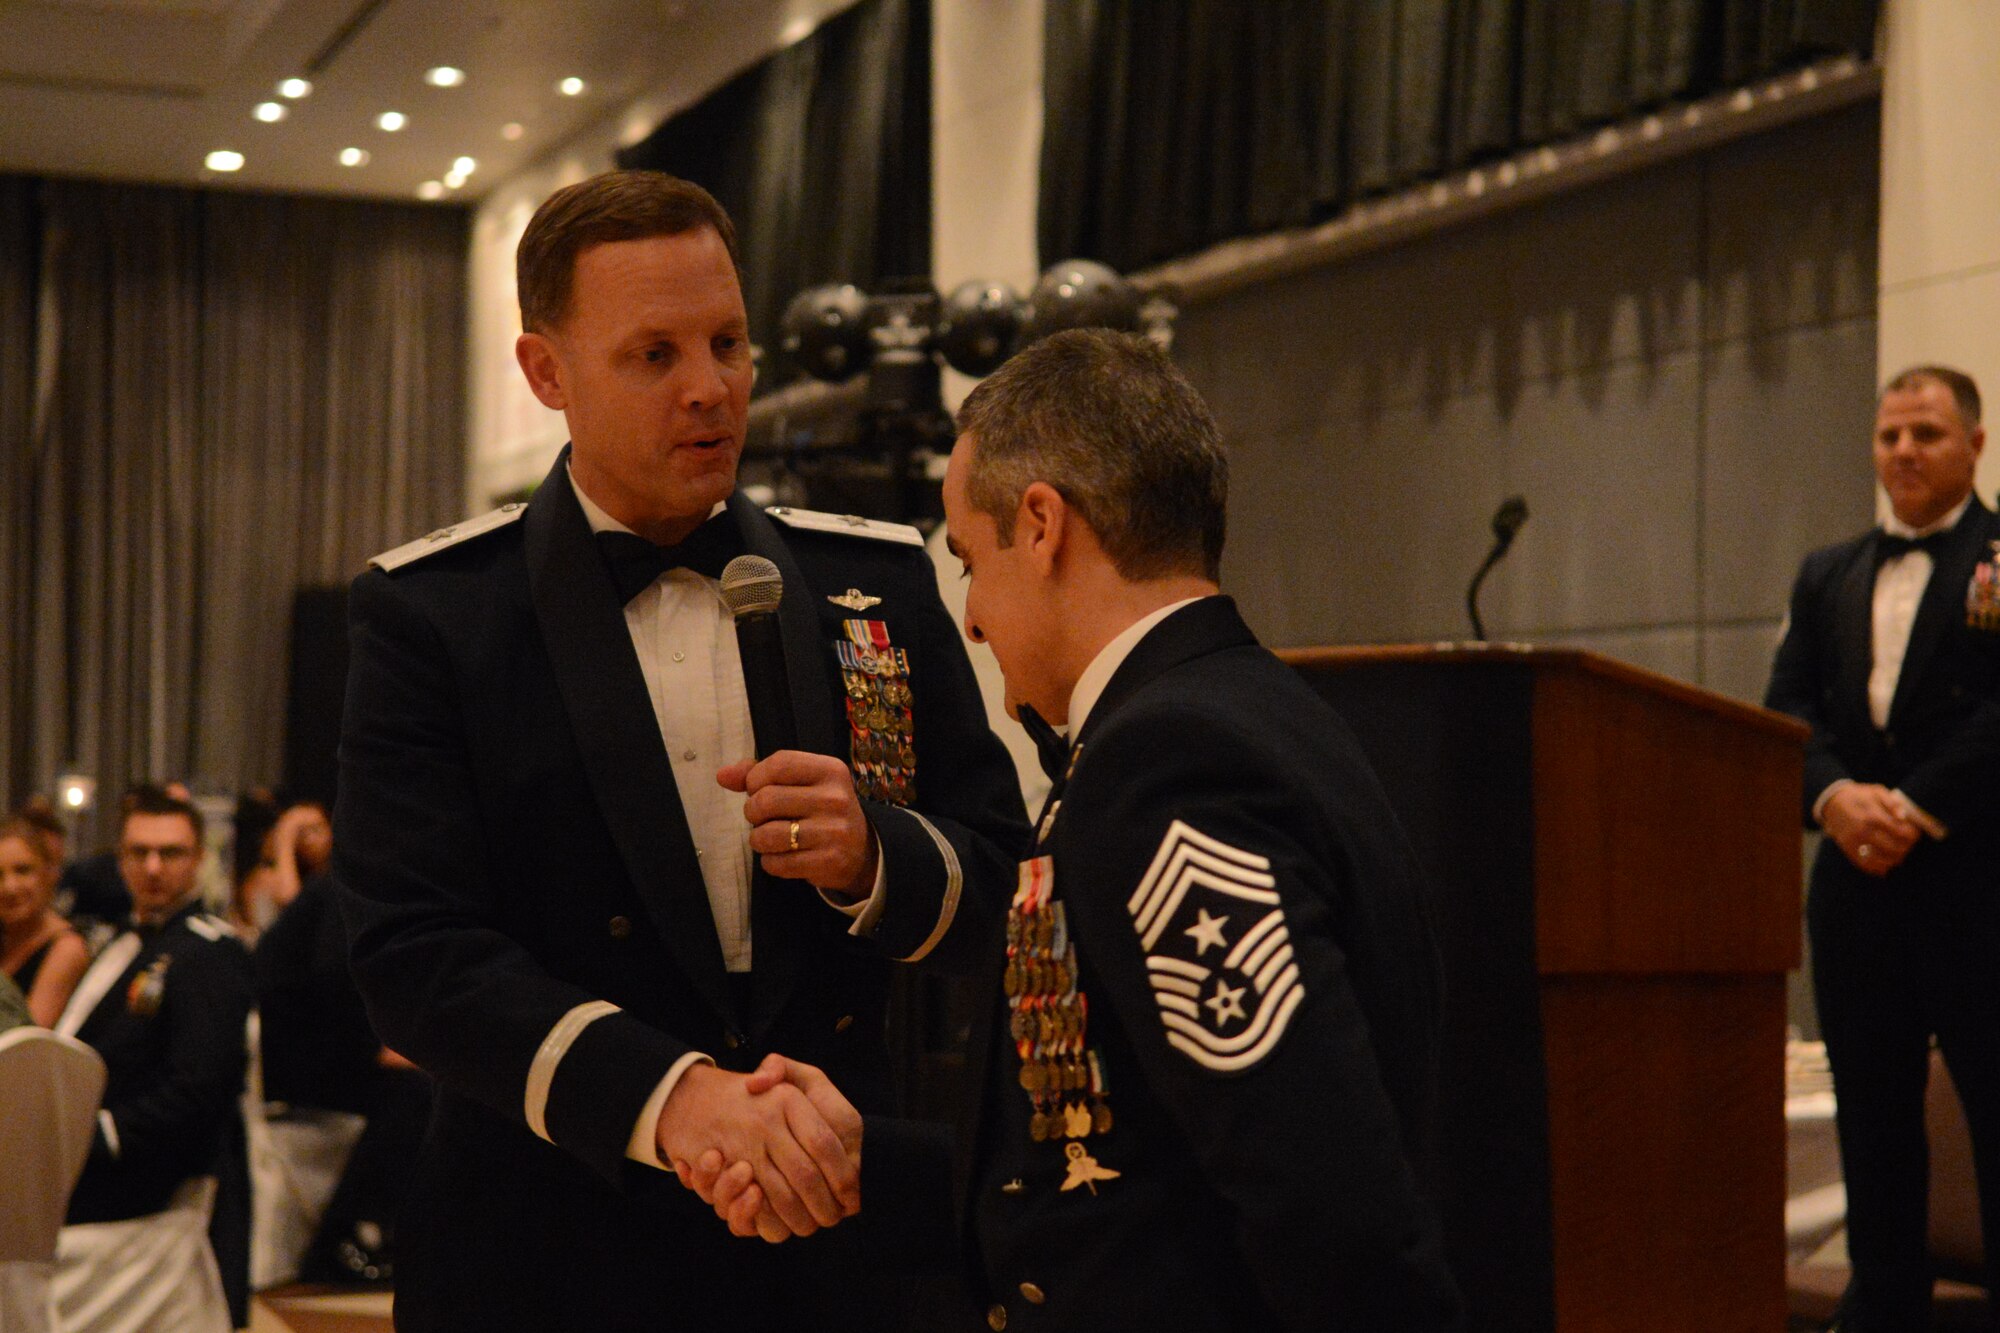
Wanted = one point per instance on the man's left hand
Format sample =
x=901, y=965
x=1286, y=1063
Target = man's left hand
x=805, y=820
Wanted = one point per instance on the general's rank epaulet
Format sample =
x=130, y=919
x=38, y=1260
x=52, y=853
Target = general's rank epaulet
x=444, y=538
x=846, y=525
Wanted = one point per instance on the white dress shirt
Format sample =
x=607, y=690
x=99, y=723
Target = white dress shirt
x=686, y=641
x=1899, y=589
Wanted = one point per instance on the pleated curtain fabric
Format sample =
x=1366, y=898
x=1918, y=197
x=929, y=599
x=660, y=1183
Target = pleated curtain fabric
x=822, y=155
x=1169, y=128
x=20, y=245
x=239, y=396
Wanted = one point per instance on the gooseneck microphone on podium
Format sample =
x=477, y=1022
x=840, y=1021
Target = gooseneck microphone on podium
x=1507, y=521
x=752, y=588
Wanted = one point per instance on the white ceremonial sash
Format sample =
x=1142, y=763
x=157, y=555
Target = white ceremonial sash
x=99, y=979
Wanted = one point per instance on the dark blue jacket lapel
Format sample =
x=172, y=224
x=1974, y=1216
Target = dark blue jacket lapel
x=1207, y=626
x=1943, y=605
x=1854, y=628
x=611, y=713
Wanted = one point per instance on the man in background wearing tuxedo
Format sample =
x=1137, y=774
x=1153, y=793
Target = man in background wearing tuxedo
x=1892, y=656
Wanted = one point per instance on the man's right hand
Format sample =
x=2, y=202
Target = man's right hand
x=729, y=1187
x=1868, y=822
x=800, y=1138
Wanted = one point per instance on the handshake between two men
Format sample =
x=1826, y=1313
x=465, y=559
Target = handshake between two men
x=777, y=1152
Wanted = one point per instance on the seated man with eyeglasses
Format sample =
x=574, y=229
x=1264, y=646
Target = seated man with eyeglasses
x=165, y=1005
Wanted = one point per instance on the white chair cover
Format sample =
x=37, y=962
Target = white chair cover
x=296, y=1160
x=144, y=1275
x=49, y=1092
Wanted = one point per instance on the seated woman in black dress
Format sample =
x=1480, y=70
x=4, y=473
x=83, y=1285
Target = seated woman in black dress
x=38, y=949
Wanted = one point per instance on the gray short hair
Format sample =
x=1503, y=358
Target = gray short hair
x=1110, y=422
x=1964, y=389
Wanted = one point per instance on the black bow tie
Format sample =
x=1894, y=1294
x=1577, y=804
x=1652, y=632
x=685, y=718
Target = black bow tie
x=1050, y=747
x=635, y=562
x=1888, y=545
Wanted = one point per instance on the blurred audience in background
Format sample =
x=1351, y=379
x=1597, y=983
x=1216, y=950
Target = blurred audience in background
x=290, y=848
x=39, y=951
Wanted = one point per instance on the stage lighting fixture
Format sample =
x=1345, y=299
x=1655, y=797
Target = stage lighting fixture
x=979, y=326
x=1081, y=294
x=902, y=326
x=825, y=333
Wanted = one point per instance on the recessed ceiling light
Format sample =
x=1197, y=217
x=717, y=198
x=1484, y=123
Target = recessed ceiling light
x=797, y=30
x=431, y=190
x=354, y=157
x=463, y=166
x=511, y=131
x=294, y=89
x=391, y=121
x=269, y=112
x=222, y=159
x=444, y=76
x=571, y=87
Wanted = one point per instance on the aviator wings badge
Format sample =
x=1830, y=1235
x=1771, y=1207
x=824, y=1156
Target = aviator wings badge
x=854, y=600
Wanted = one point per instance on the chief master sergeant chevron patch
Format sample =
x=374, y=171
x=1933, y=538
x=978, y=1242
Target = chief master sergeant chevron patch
x=1227, y=1009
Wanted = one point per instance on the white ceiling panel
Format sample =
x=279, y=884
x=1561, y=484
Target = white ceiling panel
x=145, y=89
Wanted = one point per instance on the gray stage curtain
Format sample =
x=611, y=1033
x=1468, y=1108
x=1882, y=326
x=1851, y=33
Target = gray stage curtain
x=1167, y=128
x=822, y=155
x=19, y=254
x=243, y=395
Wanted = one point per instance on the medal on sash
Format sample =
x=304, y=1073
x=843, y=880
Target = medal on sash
x=1048, y=1017
x=149, y=988
x=875, y=676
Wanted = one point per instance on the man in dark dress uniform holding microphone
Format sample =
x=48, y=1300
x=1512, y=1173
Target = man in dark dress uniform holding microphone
x=571, y=894
x=1210, y=1047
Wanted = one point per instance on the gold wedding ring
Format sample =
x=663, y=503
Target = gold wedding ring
x=1864, y=851
x=794, y=835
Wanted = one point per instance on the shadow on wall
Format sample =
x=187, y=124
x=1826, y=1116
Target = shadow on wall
x=1676, y=366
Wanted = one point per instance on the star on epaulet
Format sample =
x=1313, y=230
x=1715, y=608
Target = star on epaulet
x=445, y=538
x=846, y=525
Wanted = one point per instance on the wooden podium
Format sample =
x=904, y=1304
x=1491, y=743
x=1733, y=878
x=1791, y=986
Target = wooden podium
x=1616, y=862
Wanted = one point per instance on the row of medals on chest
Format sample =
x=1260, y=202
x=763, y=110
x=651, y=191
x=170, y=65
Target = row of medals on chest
x=878, y=710
x=1048, y=1022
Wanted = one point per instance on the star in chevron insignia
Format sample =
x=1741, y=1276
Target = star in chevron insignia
x=854, y=600
x=1227, y=1003
x=1207, y=932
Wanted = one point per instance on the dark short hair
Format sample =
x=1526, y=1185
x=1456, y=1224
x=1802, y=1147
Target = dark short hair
x=31, y=832
x=612, y=206
x=1964, y=389
x=39, y=813
x=1110, y=422
x=148, y=799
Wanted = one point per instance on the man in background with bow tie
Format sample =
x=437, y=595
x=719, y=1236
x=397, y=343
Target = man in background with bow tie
x=573, y=898
x=164, y=1003
x=1892, y=656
